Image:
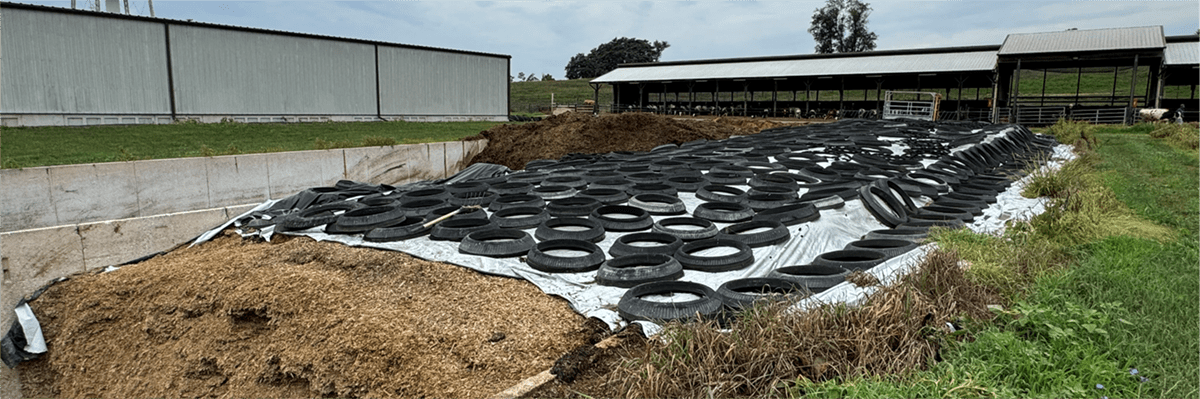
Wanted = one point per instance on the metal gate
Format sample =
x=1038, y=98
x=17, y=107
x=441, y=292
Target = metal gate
x=911, y=104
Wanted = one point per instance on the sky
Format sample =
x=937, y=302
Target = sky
x=541, y=36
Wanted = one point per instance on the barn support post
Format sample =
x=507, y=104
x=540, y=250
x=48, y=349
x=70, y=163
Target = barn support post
x=774, y=98
x=1016, y=91
x=1045, y=72
x=717, y=96
x=1133, y=82
x=691, y=94
x=879, y=95
x=595, y=97
x=962, y=80
x=995, y=101
x=1112, y=99
x=664, y=98
x=641, y=96
x=841, y=95
x=807, y=99
x=745, y=98
x=1078, y=83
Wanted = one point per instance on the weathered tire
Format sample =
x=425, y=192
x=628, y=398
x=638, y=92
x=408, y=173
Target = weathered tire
x=550, y=193
x=890, y=248
x=480, y=198
x=624, y=246
x=573, y=207
x=514, y=201
x=409, y=227
x=883, y=206
x=776, y=233
x=916, y=235
x=540, y=260
x=719, y=193
x=658, y=204
x=640, y=221
x=590, y=230
x=457, y=229
x=740, y=293
x=724, y=212
x=851, y=260
x=740, y=259
x=496, y=243
x=705, y=228
x=607, y=196
x=314, y=216
x=520, y=217
x=816, y=278
x=631, y=270
x=790, y=215
x=632, y=307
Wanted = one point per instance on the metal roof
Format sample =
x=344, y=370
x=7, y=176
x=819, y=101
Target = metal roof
x=5, y=4
x=1146, y=37
x=1187, y=53
x=974, y=61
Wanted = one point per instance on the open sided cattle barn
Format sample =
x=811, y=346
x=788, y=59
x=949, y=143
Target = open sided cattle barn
x=975, y=83
x=75, y=67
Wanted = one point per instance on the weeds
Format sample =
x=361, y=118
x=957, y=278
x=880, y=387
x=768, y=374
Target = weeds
x=770, y=348
x=206, y=151
x=1185, y=137
x=321, y=144
x=1079, y=134
x=124, y=155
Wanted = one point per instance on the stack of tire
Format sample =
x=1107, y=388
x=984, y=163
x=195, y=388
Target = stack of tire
x=753, y=188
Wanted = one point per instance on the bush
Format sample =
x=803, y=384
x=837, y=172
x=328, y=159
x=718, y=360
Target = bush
x=1075, y=133
x=378, y=141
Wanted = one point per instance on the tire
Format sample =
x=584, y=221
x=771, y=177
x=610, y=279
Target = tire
x=607, y=196
x=422, y=207
x=734, y=293
x=898, y=192
x=719, y=193
x=640, y=221
x=313, y=216
x=631, y=270
x=741, y=259
x=817, y=192
x=667, y=226
x=467, y=187
x=575, y=182
x=762, y=168
x=614, y=183
x=790, y=215
x=436, y=193
x=775, y=234
x=366, y=218
x=409, y=227
x=774, y=180
x=933, y=220
x=974, y=207
x=651, y=188
x=632, y=307
x=761, y=202
x=723, y=212
x=645, y=178
x=457, y=229
x=540, y=260
x=516, y=200
x=658, y=204
x=476, y=198
x=378, y=201
x=890, y=248
x=830, y=202
x=816, y=278
x=940, y=210
x=549, y=230
x=533, y=178
x=573, y=207
x=463, y=213
x=511, y=188
x=550, y=193
x=520, y=218
x=686, y=183
x=883, y=206
x=741, y=171
x=624, y=246
x=497, y=243
x=725, y=178
x=851, y=259
x=907, y=234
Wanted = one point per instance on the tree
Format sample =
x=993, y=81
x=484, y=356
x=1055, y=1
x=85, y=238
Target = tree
x=520, y=76
x=841, y=26
x=547, y=78
x=531, y=78
x=607, y=56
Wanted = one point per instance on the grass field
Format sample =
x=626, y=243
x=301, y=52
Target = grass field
x=42, y=146
x=527, y=97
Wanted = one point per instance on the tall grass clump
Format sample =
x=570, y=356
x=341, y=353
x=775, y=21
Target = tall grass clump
x=1185, y=137
x=773, y=347
x=378, y=141
x=1076, y=133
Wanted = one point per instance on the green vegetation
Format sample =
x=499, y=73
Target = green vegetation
x=534, y=97
x=42, y=146
x=1100, y=298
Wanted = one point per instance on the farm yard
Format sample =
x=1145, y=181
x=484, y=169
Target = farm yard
x=231, y=211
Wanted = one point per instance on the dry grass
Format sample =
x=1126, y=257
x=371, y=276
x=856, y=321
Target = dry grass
x=1185, y=137
x=768, y=348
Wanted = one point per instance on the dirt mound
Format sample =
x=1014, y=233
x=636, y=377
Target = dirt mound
x=294, y=318
x=513, y=145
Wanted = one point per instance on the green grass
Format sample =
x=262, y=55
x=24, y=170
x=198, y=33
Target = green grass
x=529, y=97
x=42, y=146
x=1119, y=303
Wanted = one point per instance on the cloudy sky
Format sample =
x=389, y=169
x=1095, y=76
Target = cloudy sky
x=541, y=36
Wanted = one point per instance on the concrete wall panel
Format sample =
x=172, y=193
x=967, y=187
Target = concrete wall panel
x=117, y=241
x=437, y=159
x=472, y=148
x=221, y=71
x=454, y=156
x=70, y=63
x=26, y=202
x=93, y=192
x=171, y=185
x=237, y=179
x=31, y=258
x=423, y=82
x=390, y=165
x=292, y=172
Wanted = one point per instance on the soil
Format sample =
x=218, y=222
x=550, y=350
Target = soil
x=295, y=318
x=585, y=371
x=513, y=145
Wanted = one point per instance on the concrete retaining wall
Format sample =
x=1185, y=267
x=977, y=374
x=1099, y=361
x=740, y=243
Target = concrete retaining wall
x=61, y=220
x=72, y=194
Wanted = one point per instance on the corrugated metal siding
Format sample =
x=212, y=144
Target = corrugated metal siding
x=1146, y=37
x=421, y=82
x=219, y=71
x=1182, y=53
x=914, y=63
x=61, y=63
